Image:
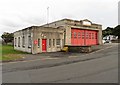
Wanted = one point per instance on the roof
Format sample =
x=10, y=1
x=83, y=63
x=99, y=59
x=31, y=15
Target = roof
x=59, y=21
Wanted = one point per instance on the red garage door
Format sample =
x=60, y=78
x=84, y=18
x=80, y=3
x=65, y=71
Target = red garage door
x=91, y=37
x=81, y=37
x=77, y=37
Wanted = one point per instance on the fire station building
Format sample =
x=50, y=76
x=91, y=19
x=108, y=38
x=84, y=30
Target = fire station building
x=54, y=36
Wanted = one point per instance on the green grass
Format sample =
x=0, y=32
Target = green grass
x=8, y=53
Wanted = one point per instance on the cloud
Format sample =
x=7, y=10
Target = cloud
x=18, y=14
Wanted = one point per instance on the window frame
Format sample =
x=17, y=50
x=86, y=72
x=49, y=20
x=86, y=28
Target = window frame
x=29, y=41
x=83, y=35
x=15, y=42
x=92, y=35
x=75, y=34
x=72, y=33
x=23, y=41
x=18, y=41
x=89, y=35
x=38, y=42
x=58, y=42
x=53, y=42
x=50, y=43
x=79, y=35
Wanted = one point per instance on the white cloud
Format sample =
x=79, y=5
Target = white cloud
x=17, y=14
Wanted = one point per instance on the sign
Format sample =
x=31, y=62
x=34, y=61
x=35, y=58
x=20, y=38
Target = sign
x=35, y=42
x=86, y=23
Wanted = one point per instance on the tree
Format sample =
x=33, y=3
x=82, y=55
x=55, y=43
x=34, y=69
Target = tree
x=7, y=37
x=116, y=31
x=107, y=31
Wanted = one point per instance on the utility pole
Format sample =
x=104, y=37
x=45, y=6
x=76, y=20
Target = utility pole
x=119, y=13
x=48, y=16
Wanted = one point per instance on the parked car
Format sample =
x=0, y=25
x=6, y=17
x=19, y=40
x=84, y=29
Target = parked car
x=103, y=41
x=108, y=41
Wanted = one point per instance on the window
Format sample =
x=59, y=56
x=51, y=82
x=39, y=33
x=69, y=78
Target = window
x=23, y=41
x=92, y=35
x=96, y=36
x=49, y=43
x=89, y=35
x=86, y=35
x=15, y=41
x=18, y=41
x=29, y=41
x=78, y=34
x=75, y=35
x=53, y=42
x=71, y=34
x=58, y=42
x=63, y=42
x=83, y=35
x=38, y=43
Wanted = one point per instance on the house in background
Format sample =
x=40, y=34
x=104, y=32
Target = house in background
x=54, y=36
x=110, y=37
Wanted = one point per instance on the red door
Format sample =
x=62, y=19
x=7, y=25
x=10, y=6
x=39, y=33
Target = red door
x=43, y=45
x=77, y=37
x=83, y=37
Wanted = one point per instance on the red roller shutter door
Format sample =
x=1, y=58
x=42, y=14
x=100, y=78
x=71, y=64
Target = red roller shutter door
x=77, y=37
x=80, y=37
x=96, y=38
x=87, y=37
x=91, y=37
x=82, y=40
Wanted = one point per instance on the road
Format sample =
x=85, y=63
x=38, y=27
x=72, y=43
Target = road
x=99, y=70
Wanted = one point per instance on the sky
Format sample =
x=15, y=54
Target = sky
x=18, y=14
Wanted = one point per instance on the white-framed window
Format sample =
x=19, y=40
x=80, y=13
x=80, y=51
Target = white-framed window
x=58, y=42
x=29, y=41
x=18, y=41
x=15, y=42
x=23, y=41
x=49, y=43
x=53, y=42
x=63, y=43
x=38, y=43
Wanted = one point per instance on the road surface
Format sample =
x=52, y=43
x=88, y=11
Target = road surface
x=99, y=70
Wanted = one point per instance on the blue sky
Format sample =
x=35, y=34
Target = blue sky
x=18, y=14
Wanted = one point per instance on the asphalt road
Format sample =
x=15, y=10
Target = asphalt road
x=103, y=69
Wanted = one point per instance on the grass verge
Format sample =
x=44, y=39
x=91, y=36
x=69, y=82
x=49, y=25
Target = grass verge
x=9, y=54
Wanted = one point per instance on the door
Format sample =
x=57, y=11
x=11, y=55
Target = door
x=77, y=37
x=74, y=37
x=44, y=45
